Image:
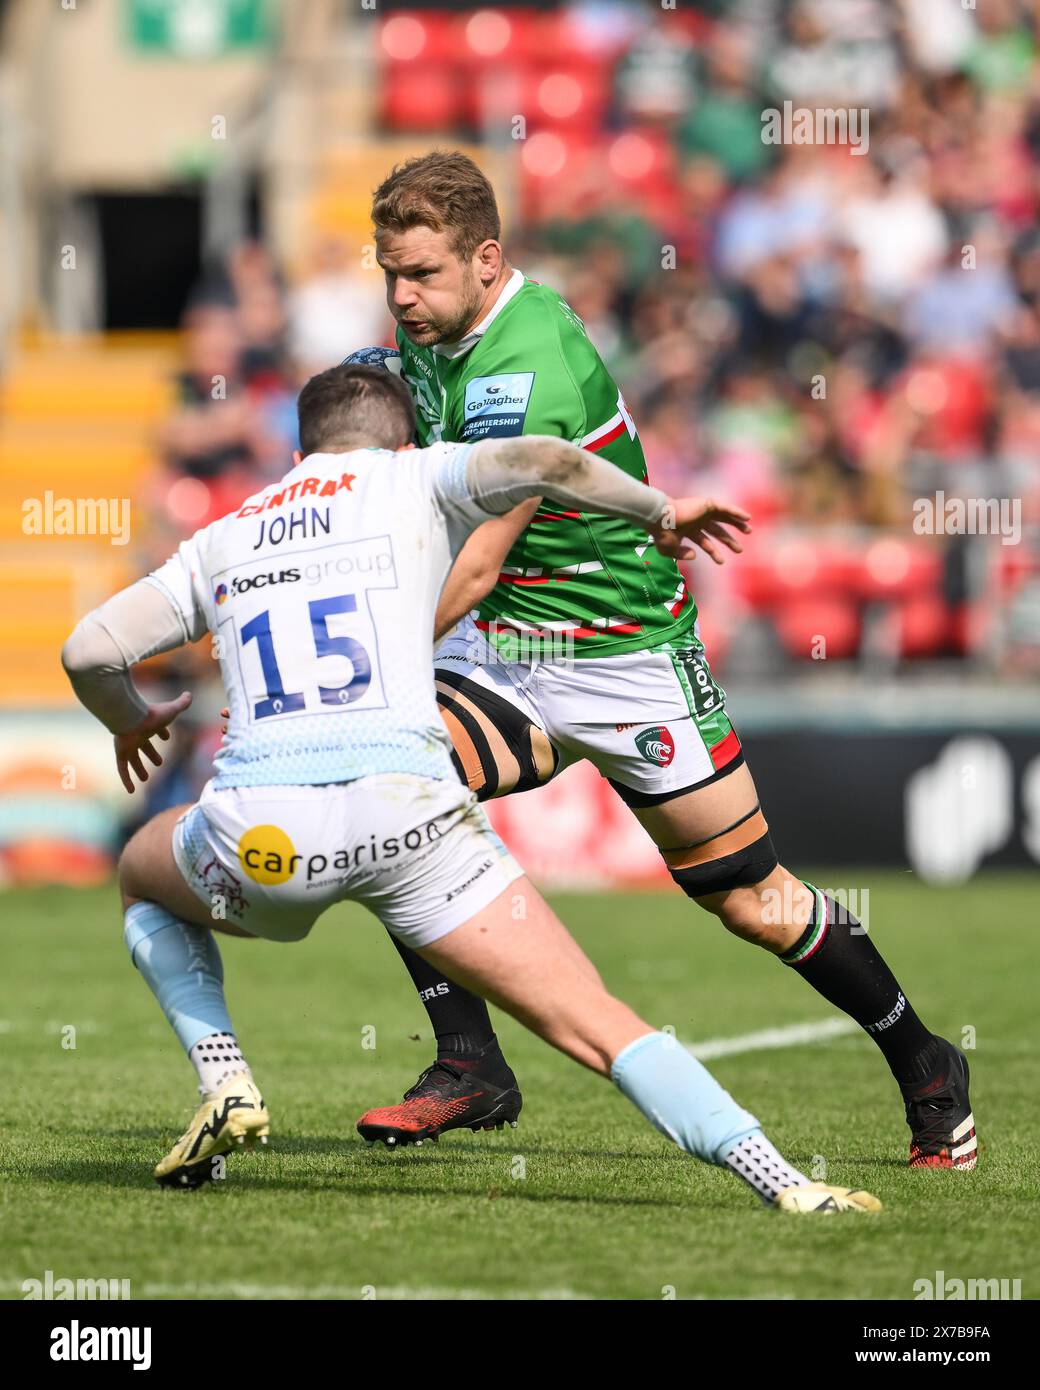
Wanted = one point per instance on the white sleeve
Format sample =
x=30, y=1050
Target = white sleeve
x=502, y=473
x=451, y=487
x=157, y=614
x=175, y=580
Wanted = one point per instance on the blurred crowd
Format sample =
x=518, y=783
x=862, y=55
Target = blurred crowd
x=822, y=333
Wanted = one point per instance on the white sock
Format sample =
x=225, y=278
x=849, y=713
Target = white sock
x=217, y=1057
x=763, y=1167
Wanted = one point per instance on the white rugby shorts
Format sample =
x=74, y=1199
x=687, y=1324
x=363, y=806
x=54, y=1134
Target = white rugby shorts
x=419, y=853
x=654, y=723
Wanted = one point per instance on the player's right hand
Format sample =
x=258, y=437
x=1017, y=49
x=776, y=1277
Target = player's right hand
x=692, y=523
x=130, y=745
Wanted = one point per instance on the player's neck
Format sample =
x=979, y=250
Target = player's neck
x=491, y=297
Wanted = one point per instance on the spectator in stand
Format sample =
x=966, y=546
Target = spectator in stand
x=259, y=298
x=336, y=297
x=215, y=427
x=898, y=231
x=967, y=304
x=724, y=122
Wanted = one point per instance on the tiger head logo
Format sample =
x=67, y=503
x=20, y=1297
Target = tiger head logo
x=656, y=745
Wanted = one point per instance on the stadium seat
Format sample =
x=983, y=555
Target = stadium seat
x=802, y=624
x=424, y=97
x=425, y=37
x=78, y=422
x=561, y=174
x=892, y=569
x=568, y=95
x=924, y=626
x=493, y=94
x=493, y=36
x=640, y=169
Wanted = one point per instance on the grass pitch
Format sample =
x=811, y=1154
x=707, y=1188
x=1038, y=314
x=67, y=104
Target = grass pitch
x=584, y=1199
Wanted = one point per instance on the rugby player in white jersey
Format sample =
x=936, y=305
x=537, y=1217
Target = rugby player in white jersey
x=335, y=781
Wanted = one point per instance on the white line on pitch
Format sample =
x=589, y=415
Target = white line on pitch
x=385, y=1292
x=768, y=1038
x=397, y=1292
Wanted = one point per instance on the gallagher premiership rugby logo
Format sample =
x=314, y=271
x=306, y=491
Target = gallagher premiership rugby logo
x=656, y=745
x=495, y=406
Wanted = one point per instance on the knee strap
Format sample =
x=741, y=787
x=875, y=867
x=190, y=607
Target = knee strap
x=496, y=749
x=741, y=854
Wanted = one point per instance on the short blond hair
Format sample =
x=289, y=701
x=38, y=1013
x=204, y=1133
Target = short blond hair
x=443, y=190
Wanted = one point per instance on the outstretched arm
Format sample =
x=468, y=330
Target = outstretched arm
x=135, y=624
x=501, y=473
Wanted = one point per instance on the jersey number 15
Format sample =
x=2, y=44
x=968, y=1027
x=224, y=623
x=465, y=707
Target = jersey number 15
x=281, y=701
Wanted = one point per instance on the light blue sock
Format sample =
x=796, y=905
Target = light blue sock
x=681, y=1098
x=183, y=969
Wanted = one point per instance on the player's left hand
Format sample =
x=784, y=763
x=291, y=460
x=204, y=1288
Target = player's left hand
x=693, y=523
x=130, y=745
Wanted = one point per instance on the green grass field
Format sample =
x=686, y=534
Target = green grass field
x=584, y=1199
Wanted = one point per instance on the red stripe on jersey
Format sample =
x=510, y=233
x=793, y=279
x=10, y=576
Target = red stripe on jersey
x=678, y=606
x=605, y=439
x=501, y=624
x=726, y=751
x=555, y=516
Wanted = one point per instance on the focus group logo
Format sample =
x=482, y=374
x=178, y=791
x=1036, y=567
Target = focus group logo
x=242, y=584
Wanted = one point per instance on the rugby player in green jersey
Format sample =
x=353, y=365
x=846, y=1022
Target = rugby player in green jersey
x=567, y=635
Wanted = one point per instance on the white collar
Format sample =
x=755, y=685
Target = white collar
x=512, y=285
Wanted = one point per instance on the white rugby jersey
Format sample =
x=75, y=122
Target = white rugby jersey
x=321, y=592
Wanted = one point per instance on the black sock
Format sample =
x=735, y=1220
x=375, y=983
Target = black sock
x=461, y=1021
x=837, y=957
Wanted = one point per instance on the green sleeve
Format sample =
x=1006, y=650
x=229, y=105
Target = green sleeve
x=535, y=363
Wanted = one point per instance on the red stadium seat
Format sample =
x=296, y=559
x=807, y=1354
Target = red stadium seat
x=969, y=624
x=753, y=583
x=561, y=174
x=640, y=168
x=806, y=563
x=417, y=37
x=1013, y=566
x=819, y=627
x=490, y=36
x=495, y=93
x=793, y=570
x=924, y=626
x=418, y=97
x=641, y=156
x=570, y=95
x=894, y=569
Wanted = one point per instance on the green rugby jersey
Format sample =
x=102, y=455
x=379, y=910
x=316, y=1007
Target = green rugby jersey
x=529, y=368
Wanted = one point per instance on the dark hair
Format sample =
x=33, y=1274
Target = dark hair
x=354, y=406
x=445, y=191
